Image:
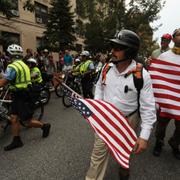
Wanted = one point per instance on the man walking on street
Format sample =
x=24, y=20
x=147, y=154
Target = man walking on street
x=118, y=88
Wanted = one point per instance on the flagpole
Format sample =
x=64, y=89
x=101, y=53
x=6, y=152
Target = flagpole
x=74, y=92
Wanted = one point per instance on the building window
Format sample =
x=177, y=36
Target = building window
x=15, y=9
x=7, y=38
x=39, y=43
x=41, y=13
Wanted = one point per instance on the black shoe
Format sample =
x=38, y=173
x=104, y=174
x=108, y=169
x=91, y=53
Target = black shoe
x=16, y=143
x=175, y=150
x=157, y=148
x=123, y=174
x=124, y=177
x=46, y=129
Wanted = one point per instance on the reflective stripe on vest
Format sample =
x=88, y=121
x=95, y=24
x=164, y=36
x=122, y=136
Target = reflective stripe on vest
x=23, y=77
x=84, y=66
x=38, y=79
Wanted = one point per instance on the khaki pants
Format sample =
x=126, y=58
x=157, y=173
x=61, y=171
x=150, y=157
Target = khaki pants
x=100, y=154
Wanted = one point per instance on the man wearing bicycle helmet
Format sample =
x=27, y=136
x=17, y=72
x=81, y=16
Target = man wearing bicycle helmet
x=86, y=69
x=118, y=88
x=18, y=77
x=36, y=77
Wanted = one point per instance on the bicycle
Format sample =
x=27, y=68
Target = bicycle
x=5, y=107
x=74, y=82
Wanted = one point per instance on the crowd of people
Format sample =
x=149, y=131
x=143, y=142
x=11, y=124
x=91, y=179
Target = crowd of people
x=115, y=84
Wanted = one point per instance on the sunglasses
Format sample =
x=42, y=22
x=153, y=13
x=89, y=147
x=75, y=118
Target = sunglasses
x=119, y=47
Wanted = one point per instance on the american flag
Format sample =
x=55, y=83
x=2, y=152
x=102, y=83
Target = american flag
x=110, y=125
x=166, y=85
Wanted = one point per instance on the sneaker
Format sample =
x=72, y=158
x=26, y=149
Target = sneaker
x=175, y=150
x=157, y=148
x=16, y=143
x=46, y=129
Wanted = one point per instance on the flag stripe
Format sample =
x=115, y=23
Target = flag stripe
x=121, y=119
x=158, y=61
x=118, y=125
x=161, y=86
x=166, y=85
x=168, y=76
x=165, y=71
x=173, y=112
x=167, y=67
x=107, y=138
x=168, y=102
x=169, y=84
x=174, y=81
x=163, y=91
x=119, y=158
x=169, y=106
x=167, y=96
x=108, y=128
x=169, y=115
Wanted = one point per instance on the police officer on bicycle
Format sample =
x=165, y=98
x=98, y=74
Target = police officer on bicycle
x=86, y=70
x=18, y=77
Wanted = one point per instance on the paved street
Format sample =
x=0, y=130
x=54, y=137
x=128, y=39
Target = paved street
x=65, y=154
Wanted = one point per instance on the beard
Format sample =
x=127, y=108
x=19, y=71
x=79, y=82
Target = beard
x=114, y=59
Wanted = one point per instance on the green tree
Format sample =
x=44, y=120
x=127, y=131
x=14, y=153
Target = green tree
x=94, y=36
x=113, y=15
x=60, y=26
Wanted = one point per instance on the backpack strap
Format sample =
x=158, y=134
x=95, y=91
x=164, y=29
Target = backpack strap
x=105, y=70
x=138, y=80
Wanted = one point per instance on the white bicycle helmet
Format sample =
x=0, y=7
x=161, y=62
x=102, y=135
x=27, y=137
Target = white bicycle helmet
x=32, y=60
x=15, y=49
x=77, y=60
x=85, y=53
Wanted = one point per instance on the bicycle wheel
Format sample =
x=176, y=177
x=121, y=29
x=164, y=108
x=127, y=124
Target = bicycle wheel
x=38, y=110
x=4, y=117
x=45, y=96
x=59, y=90
x=65, y=101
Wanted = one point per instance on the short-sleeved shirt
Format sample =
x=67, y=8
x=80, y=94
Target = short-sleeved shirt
x=10, y=74
x=68, y=60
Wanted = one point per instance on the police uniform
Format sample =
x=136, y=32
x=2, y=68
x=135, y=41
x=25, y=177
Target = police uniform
x=18, y=74
x=38, y=79
x=87, y=83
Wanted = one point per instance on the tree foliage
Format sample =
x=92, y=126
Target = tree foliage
x=60, y=26
x=113, y=15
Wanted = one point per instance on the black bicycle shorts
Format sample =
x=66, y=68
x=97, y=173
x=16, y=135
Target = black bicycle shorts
x=21, y=106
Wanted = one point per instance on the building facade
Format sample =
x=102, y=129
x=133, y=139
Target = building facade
x=26, y=28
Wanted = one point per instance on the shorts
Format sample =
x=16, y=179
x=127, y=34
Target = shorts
x=22, y=106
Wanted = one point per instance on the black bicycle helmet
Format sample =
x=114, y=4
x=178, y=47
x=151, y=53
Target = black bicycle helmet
x=128, y=39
